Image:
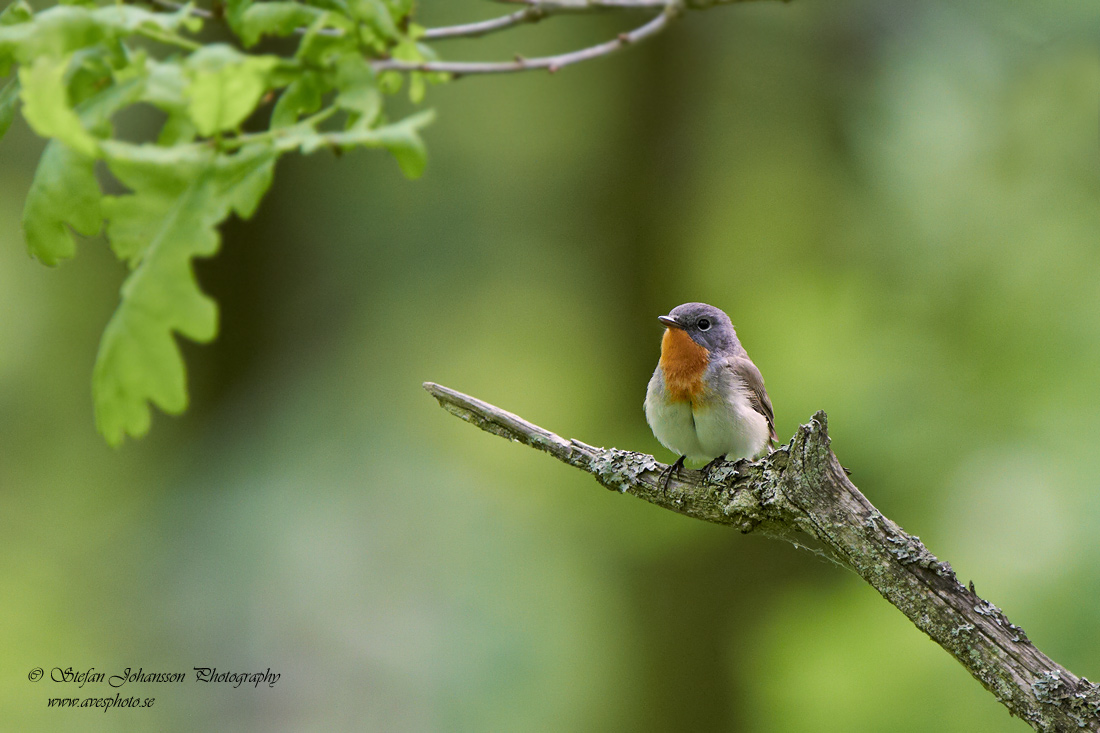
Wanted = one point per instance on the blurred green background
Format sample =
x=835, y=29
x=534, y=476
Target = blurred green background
x=898, y=203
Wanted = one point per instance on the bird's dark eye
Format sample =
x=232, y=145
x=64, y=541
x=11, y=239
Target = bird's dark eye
x=703, y=324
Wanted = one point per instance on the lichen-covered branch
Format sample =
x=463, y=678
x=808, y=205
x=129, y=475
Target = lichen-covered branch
x=800, y=490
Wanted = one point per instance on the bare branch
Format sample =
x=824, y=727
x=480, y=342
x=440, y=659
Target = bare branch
x=550, y=63
x=582, y=6
x=801, y=490
x=533, y=11
x=531, y=14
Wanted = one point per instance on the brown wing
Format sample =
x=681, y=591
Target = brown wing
x=746, y=371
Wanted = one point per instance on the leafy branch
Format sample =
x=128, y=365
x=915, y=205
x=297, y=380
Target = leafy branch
x=77, y=66
x=801, y=493
x=227, y=114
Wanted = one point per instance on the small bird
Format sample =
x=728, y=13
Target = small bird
x=706, y=400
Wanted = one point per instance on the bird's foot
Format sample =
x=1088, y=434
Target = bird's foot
x=712, y=465
x=666, y=476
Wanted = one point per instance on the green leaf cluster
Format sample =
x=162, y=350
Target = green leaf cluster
x=228, y=113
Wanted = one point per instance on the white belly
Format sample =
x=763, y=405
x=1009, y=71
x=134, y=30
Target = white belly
x=729, y=427
x=674, y=425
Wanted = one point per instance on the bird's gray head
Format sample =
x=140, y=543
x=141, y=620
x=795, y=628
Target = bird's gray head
x=707, y=326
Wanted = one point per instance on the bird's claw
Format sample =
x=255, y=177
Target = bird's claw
x=712, y=465
x=666, y=476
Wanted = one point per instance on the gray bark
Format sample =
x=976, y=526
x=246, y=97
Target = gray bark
x=801, y=493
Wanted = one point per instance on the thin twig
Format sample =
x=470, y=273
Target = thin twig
x=801, y=489
x=550, y=63
x=581, y=6
x=535, y=11
x=532, y=14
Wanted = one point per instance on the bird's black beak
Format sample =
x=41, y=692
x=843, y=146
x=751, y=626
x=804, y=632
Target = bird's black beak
x=670, y=322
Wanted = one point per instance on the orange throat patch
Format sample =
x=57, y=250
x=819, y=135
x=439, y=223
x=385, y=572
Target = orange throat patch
x=683, y=363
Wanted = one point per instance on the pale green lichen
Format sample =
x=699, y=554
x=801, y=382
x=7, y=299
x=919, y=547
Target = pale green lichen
x=743, y=503
x=962, y=629
x=621, y=470
x=1080, y=702
x=725, y=473
x=907, y=548
x=985, y=608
